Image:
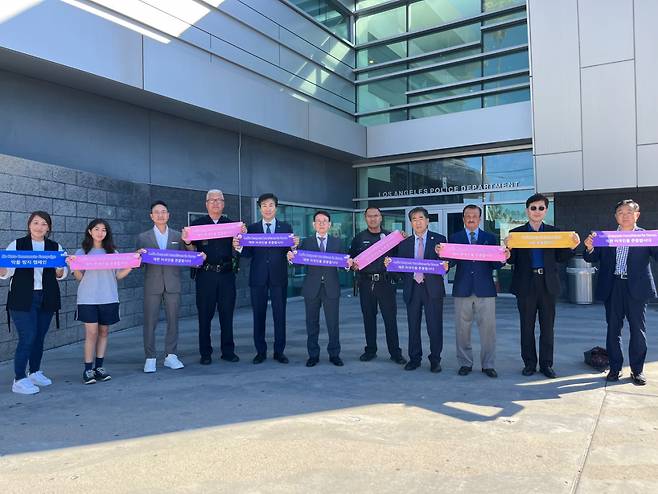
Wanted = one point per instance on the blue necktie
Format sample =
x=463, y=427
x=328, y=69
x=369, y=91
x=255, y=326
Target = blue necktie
x=268, y=230
x=322, y=247
x=472, y=237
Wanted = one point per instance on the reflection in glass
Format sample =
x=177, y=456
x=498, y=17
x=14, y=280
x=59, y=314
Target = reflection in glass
x=381, y=94
x=430, y=13
x=381, y=25
x=443, y=108
x=327, y=14
x=381, y=53
x=506, y=37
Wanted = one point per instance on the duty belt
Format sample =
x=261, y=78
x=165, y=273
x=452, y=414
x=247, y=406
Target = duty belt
x=222, y=267
x=374, y=276
x=538, y=270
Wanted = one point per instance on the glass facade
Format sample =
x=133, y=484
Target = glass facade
x=328, y=13
x=428, y=57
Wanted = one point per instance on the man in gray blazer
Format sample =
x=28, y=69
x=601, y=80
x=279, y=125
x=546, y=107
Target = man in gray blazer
x=161, y=282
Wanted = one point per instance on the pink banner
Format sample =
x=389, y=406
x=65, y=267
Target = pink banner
x=220, y=230
x=378, y=249
x=105, y=261
x=473, y=252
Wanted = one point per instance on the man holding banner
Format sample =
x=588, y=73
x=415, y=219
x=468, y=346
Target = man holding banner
x=535, y=281
x=474, y=293
x=625, y=285
x=215, y=279
x=376, y=287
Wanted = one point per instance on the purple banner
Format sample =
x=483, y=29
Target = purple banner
x=406, y=265
x=473, y=252
x=314, y=258
x=172, y=257
x=266, y=239
x=637, y=238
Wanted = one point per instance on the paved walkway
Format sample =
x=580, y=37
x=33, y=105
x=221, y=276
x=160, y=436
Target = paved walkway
x=365, y=427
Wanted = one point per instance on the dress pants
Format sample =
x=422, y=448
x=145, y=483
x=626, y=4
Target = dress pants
x=215, y=292
x=433, y=319
x=32, y=327
x=313, y=323
x=483, y=310
x=620, y=304
x=537, y=300
x=152, y=302
x=277, y=295
x=382, y=293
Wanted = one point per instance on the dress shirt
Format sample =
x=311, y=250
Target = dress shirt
x=161, y=238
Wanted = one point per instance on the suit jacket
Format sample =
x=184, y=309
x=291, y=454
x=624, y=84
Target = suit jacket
x=638, y=269
x=474, y=277
x=158, y=279
x=269, y=265
x=521, y=259
x=434, y=282
x=316, y=274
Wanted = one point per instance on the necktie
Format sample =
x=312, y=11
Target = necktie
x=322, y=246
x=420, y=254
x=268, y=229
x=472, y=234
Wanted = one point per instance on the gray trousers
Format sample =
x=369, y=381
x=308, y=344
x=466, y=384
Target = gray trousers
x=483, y=310
x=152, y=304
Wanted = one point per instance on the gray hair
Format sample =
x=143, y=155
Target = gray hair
x=213, y=191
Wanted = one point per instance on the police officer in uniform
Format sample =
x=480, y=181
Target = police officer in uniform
x=376, y=287
x=215, y=282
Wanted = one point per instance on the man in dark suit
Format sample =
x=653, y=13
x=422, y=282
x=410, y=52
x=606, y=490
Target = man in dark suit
x=625, y=285
x=423, y=291
x=474, y=294
x=536, y=284
x=268, y=274
x=321, y=289
x=215, y=282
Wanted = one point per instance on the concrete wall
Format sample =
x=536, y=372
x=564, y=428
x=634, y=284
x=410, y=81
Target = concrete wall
x=595, y=111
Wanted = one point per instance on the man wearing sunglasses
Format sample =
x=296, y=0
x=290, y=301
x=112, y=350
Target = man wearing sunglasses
x=536, y=284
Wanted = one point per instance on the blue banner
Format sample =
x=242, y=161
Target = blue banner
x=32, y=259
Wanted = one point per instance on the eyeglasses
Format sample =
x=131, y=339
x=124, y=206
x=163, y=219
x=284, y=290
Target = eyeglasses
x=535, y=208
x=215, y=200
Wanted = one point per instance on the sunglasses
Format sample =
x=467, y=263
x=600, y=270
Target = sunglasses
x=535, y=208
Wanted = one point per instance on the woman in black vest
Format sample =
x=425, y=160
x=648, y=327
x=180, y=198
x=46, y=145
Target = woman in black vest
x=33, y=299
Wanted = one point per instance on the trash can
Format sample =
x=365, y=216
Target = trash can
x=580, y=274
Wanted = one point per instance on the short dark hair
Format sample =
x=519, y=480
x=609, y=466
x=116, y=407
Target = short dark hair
x=43, y=215
x=265, y=197
x=315, y=215
x=535, y=198
x=159, y=203
x=419, y=209
x=472, y=206
x=372, y=207
x=628, y=202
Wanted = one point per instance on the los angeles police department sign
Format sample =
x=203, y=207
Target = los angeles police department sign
x=451, y=189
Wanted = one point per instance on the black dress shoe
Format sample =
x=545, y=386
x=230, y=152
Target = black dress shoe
x=529, y=370
x=367, y=357
x=638, y=379
x=613, y=376
x=464, y=370
x=548, y=372
x=400, y=360
x=336, y=361
x=412, y=366
x=259, y=358
x=435, y=367
x=281, y=358
x=231, y=358
x=205, y=360
x=490, y=372
x=311, y=362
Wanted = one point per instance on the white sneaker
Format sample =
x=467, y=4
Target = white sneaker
x=149, y=365
x=172, y=362
x=39, y=379
x=24, y=387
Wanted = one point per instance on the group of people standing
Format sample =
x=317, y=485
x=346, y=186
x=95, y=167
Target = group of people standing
x=625, y=286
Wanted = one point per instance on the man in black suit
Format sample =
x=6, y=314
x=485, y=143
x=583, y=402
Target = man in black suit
x=321, y=289
x=536, y=284
x=215, y=282
x=423, y=291
x=268, y=274
x=625, y=285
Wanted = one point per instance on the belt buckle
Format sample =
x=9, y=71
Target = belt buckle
x=375, y=277
x=622, y=276
x=539, y=270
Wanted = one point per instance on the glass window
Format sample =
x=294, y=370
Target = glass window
x=381, y=25
x=444, y=39
x=506, y=63
x=326, y=14
x=377, y=72
x=445, y=173
x=382, y=94
x=381, y=54
x=445, y=57
x=489, y=5
x=508, y=81
x=443, y=108
x=364, y=4
x=430, y=13
x=456, y=73
x=509, y=167
x=506, y=98
x=506, y=37
x=456, y=91
x=383, y=118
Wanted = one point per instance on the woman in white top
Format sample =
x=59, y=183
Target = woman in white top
x=32, y=300
x=98, y=299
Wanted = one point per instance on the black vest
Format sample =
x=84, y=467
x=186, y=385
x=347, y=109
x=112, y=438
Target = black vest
x=22, y=283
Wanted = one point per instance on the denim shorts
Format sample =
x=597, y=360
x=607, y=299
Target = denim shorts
x=103, y=314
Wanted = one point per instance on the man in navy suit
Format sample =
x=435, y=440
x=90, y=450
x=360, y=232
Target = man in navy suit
x=536, y=284
x=321, y=289
x=423, y=291
x=625, y=285
x=268, y=278
x=474, y=293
